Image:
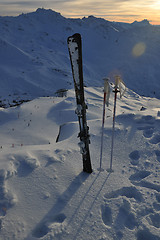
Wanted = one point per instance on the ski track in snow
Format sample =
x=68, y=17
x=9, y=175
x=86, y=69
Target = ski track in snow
x=118, y=205
x=135, y=218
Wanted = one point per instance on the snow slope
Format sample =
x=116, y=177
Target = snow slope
x=34, y=57
x=43, y=192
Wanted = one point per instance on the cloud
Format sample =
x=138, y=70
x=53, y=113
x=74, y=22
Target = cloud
x=114, y=10
x=17, y=7
x=33, y=2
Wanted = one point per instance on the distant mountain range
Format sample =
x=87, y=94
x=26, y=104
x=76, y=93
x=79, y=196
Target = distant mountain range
x=34, y=58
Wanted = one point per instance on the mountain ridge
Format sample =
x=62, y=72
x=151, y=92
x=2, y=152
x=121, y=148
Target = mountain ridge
x=107, y=50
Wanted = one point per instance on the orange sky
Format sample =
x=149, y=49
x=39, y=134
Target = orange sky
x=116, y=10
x=113, y=10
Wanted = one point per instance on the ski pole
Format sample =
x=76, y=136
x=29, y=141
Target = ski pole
x=121, y=88
x=106, y=94
x=116, y=90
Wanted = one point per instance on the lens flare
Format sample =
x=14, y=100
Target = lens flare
x=139, y=49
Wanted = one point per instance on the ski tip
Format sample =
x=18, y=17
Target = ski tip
x=75, y=37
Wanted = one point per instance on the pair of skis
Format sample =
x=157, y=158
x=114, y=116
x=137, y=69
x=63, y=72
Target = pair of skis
x=75, y=51
x=118, y=88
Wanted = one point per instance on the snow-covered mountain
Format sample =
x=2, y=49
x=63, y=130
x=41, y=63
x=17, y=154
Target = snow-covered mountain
x=43, y=192
x=34, y=57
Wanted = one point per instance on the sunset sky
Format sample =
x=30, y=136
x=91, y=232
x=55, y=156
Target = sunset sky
x=112, y=10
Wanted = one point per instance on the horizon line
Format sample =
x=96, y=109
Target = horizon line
x=77, y=16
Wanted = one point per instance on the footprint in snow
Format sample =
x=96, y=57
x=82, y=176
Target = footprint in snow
x=106, y=212
x=134, y=156
x=124, y=218
x=139, y=175
x=2, y=194
x=138, y=179
x=54, y=225
x=148, y=119
x=156, y=204
x=121, y=213
x=158, y=197
x=146, y=125
x=148, y=133
x=145, y=234
x=7, y=199
x=129, y=192
x=157, y=152
x=26, y=165
x=147, y=184
x=155, y=139
x=61, y=155
x=154, y=220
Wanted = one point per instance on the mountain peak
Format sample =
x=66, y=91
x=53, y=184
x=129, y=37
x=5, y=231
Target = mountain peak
x=144, y=22
x=46, y=11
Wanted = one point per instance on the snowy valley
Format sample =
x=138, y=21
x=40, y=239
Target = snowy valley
x=43, y=192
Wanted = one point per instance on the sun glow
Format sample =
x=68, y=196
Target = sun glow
x=139, y=49
x=156, y=5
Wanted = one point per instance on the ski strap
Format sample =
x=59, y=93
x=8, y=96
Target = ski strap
x=107, y=90
x=120, y=86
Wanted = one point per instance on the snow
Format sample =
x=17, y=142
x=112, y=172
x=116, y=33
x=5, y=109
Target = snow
x=44, y=194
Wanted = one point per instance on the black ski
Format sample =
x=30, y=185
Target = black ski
x=75, y=52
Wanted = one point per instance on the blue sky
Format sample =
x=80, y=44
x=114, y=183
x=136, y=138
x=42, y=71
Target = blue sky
x=114, y=10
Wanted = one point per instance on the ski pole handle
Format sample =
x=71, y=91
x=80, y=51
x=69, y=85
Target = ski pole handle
x=106, y=90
